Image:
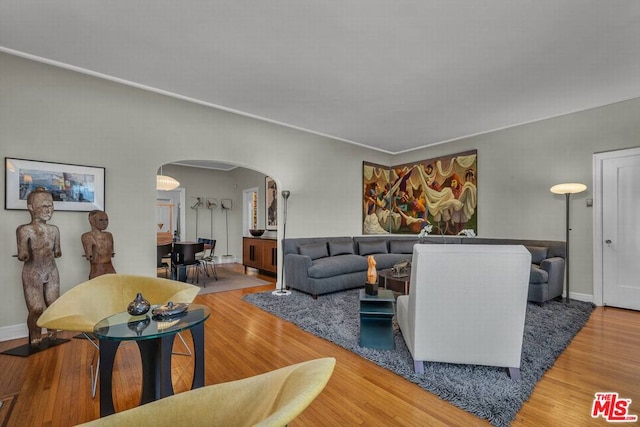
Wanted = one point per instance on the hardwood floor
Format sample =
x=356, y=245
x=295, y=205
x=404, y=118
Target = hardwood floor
x=51, y=388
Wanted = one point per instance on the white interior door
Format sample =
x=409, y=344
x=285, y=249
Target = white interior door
x=621, y=230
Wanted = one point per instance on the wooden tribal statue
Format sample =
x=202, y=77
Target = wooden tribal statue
x=38, y=246
x=98, y=245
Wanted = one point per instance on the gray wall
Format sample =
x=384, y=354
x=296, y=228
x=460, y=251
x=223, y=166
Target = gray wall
x=57, y=115
x=47, y=113
x=517, y=166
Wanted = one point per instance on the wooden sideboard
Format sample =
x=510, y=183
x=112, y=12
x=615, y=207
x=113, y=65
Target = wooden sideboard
x=260, y=253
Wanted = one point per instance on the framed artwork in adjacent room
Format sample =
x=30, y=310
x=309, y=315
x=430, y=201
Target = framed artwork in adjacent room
x=73, y=187
x=271, y=203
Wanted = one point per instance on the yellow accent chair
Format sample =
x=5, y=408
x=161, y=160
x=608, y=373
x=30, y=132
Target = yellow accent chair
x=271, y=399
x=84, y=305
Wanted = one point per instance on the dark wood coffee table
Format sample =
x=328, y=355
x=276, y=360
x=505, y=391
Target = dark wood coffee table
x=398, y=284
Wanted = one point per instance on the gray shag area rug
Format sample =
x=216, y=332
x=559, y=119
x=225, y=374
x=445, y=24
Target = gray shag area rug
x=485, y=391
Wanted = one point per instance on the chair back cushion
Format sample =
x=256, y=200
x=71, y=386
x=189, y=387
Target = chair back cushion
x=274, y=398
x=467, y=303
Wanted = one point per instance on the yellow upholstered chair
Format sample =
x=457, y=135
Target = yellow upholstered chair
x=271, y=399
x=84, y=305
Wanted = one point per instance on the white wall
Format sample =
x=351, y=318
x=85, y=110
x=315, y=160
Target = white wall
x=517, y=166
x=58, y=115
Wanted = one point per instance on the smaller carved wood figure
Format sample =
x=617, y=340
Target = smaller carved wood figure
x=372, y=274
x=98, y=245
x=38, y=246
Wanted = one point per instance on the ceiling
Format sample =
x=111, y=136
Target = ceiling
x=390, y=75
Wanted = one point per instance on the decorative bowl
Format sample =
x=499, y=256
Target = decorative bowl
x=256, y=232
x=169, y=310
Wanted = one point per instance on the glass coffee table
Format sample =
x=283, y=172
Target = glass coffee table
x=154, y=337
x=376, y=320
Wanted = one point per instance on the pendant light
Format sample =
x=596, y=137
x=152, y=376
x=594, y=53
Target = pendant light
x=165, y=182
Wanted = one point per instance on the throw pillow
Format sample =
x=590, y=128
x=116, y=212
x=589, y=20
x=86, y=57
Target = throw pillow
x=340, y=248
x=375, y=247
x=314, y=250
x=538, y=253
x=402, y=246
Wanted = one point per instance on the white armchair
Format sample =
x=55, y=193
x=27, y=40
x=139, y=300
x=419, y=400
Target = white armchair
x=466, y=304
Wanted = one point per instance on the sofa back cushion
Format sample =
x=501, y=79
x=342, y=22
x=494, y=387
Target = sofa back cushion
x=314, y=250
x=341, y=248
x=538, y=253
x=372, y=247
x=402, y=246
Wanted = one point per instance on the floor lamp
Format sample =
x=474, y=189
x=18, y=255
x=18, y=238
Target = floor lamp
x=283, y=290
x=568, y=189
x=226, y=206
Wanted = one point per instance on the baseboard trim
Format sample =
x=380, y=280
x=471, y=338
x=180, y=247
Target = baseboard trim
x=582, y=297
x=13, y=332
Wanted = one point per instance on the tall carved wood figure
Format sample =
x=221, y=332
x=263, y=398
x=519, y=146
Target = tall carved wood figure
x=98, y=245
x=38, y=246
x=372, y=274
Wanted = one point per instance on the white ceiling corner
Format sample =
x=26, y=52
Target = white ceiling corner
x=390, y=75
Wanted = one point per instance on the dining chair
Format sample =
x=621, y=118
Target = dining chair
x=185, y=256
x=162, y=252
x=207, y=260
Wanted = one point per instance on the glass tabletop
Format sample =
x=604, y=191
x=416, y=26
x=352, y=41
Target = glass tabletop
x=123, y=326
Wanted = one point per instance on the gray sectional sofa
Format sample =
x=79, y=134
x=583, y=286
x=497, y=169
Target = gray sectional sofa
x=321, y=265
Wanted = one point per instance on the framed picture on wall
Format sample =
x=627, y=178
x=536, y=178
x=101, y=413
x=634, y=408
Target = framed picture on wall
x=73, y=187
x=439, y=194
x=271, y=204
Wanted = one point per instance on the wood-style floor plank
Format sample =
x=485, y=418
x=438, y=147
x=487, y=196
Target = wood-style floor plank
x=51, y=388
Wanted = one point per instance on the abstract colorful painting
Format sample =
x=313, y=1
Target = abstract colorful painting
x=440, y=192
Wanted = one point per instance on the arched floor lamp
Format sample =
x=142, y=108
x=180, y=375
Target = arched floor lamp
x=283, y=290
x=568, y=189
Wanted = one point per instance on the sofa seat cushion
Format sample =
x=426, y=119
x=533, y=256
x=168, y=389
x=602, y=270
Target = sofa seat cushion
x=538, y=275
x=337, y=265
x=384, y=261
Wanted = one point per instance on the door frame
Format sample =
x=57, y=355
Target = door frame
x=598, y=159
x=178, y=206
x=246, y=215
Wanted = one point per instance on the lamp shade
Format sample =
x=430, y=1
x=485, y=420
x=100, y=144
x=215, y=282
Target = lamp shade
x=166, y=183
x=568, y=188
